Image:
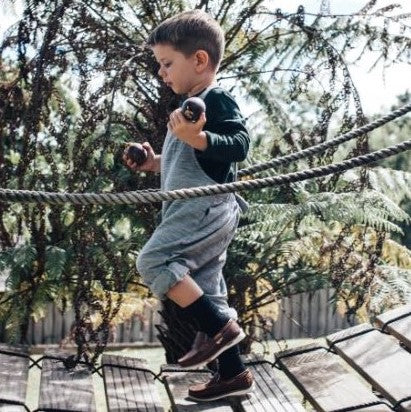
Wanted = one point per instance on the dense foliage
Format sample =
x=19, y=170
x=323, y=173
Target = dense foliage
x=77, y=82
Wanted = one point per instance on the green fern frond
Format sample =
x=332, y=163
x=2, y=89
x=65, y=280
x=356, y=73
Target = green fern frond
x=393, y=287
x=395, y=184
x=369, y=208
x=55, y=261
x=396, y=255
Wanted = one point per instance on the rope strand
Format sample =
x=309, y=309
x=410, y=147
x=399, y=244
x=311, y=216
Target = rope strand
x=138, y=197
x=321, y=147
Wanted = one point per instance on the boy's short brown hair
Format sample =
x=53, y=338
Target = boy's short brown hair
x=190, y=31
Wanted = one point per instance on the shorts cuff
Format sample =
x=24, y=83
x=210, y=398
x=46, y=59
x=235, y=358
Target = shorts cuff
x=170, y=275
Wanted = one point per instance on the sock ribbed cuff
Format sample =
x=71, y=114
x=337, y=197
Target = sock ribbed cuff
x=207, y=315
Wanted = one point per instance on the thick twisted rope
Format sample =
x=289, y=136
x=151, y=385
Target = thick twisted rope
x=321, y=147
x=153, y=197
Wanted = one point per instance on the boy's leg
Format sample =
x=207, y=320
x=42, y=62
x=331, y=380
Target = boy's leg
x=182, y=244
x=188, y=295
x=230, y=363
x=223, y=331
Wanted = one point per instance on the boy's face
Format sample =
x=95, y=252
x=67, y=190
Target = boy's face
x=176, y=70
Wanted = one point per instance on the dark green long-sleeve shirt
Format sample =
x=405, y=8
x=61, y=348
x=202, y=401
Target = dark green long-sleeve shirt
x=227, y=136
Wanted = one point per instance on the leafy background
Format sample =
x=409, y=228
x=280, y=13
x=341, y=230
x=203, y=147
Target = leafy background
x=77, y=82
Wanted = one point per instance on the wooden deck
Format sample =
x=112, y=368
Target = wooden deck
x=363, y=368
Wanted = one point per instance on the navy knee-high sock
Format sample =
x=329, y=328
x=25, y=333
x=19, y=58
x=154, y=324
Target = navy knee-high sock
x=210, y=320
x=230, y=363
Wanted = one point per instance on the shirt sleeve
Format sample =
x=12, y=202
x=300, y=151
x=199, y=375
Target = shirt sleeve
x=227, y=136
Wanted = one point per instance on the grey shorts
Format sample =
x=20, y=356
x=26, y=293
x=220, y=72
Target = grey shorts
x=193, y=237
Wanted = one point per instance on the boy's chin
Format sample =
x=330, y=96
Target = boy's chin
x=176, y=90
x=179, y=90
x=173, y=89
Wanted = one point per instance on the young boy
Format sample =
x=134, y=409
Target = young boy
x=183, y=259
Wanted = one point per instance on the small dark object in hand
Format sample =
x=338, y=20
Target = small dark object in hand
x=192, y=108
x=137, y=154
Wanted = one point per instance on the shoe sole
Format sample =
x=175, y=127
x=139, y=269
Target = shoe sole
x=238, y=339
x=241, y=392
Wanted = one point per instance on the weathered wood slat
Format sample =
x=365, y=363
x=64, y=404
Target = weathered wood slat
x=379, y=359
x=65, y=390
x=323, y=380
x=129, y=385
x=270, y=393
x=177, y=382
x=400, y=328
x=14, y=369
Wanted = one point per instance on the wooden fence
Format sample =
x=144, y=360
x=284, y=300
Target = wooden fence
x=309, y=314
x=301, y=316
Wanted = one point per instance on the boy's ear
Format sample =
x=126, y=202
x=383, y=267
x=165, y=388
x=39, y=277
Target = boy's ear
x=202, y=59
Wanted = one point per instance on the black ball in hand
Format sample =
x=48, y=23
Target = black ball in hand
x=137, y=154
x=192, y=108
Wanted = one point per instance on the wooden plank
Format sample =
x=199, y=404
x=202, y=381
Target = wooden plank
x=270, y=393
x=64, y=389
x=127, y=328
x=331, y=315
x=278, y=323
x=400, y=328
x=325, y=383
x=310, y=321
x=177, y=381
x=14, y=369
x=135, y=329
x=287, y=329
x=37, y=332
x=69, y=320
x=129, y=385
x=322, y=311
x=47, y=323
x=379, y=359
x=57, y=324
x=305, y=320
x=294, y=317
x=315, y=313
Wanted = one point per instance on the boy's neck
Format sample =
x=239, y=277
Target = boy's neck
x=202, y=85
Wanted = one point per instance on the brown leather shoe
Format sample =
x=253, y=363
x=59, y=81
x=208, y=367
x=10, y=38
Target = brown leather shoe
x=208, y=350
x=217, y=388
x=199, y=339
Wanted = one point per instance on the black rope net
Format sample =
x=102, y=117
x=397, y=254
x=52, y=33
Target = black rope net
x=77, y=83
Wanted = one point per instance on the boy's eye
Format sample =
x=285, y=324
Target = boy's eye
x=167, y=65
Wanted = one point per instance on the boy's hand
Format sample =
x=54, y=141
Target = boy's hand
x=188, y=132
x=150, y=165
